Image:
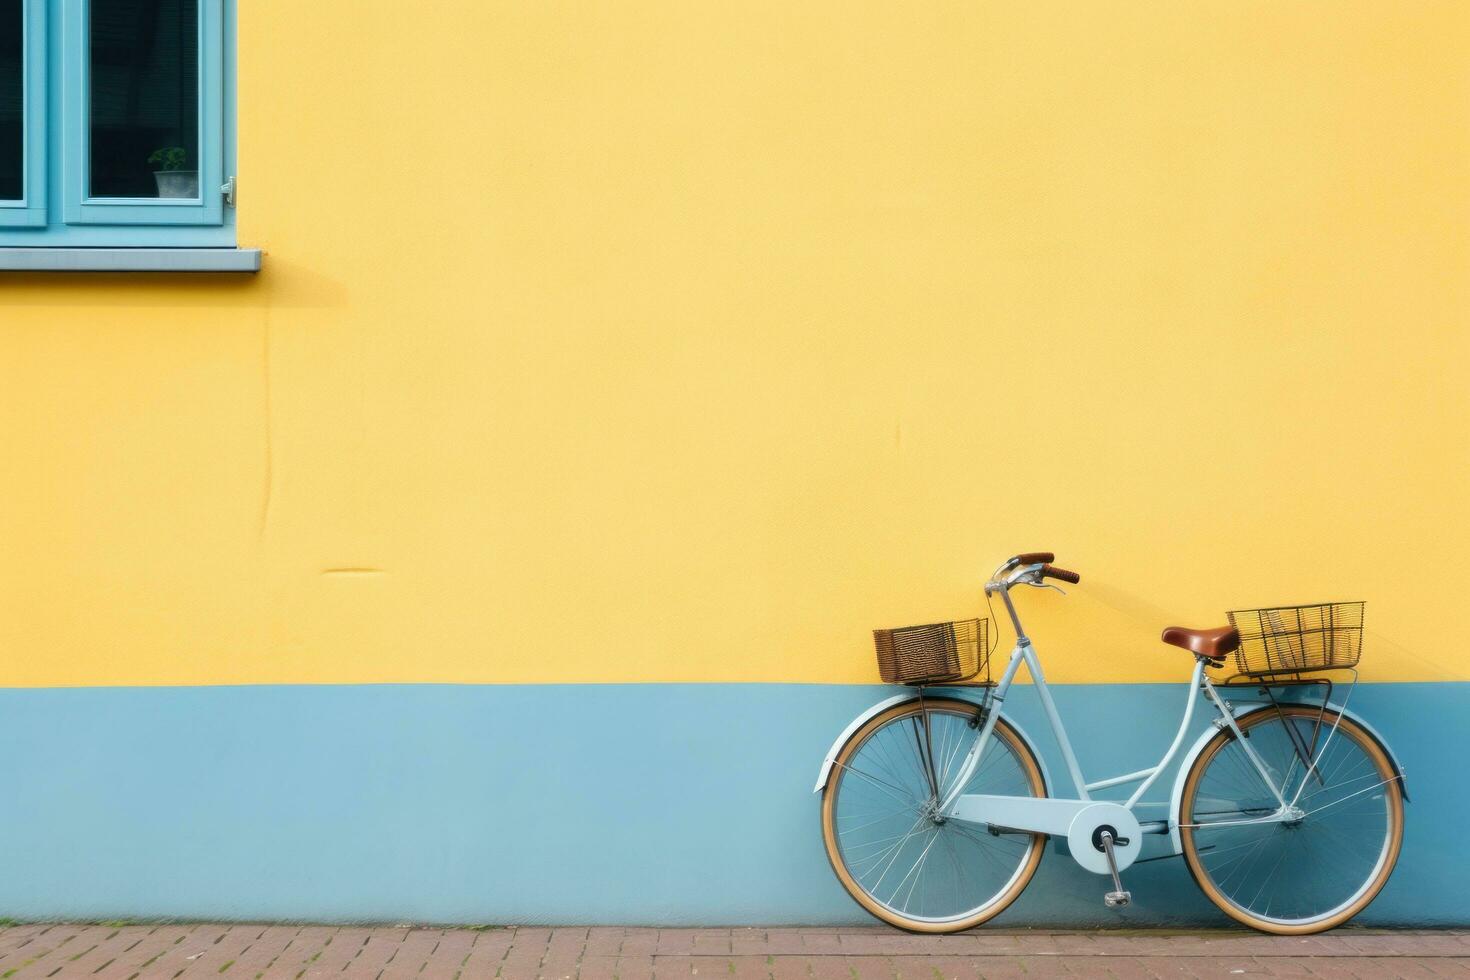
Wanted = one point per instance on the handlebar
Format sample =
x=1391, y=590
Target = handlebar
x=1032, y=568
x=1029, y=568
x=1051, y=571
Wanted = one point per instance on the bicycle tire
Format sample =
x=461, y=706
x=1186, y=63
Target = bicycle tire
x=1008, y=766
x=1309, y=872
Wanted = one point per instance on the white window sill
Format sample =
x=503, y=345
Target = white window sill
x=130, y=259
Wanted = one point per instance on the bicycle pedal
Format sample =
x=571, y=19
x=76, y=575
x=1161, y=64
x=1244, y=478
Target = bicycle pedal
x=1117, y=900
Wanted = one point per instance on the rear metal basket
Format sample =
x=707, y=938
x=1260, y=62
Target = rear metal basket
x=933, y=654
x=1298, y=639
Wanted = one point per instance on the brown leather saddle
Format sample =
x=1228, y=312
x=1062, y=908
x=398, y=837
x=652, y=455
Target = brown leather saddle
x=1212, y=644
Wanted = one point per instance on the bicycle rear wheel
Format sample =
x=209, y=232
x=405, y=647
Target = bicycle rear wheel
x=897, y=861
x=1323, y=866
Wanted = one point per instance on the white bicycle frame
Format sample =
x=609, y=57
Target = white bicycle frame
x=1081, y=819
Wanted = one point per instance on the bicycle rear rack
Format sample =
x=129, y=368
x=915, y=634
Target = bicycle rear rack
x=1266, y=684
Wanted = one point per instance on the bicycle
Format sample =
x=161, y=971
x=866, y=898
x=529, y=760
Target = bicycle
x=1289, y=814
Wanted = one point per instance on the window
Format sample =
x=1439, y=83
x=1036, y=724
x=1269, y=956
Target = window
x=116, y=124
x=22, y=114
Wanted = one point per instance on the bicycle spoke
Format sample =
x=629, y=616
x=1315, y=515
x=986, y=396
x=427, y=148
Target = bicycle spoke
x=1360, y=792
x=888, y=786
x=891, y=854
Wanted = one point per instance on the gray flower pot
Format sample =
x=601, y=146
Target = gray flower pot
x=177, y=183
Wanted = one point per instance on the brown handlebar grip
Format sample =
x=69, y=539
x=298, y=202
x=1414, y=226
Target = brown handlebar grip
x=1052, y=572
x=1035, y=557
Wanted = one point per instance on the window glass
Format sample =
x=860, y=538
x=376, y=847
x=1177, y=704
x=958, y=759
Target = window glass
x=144, y=98
x=12, y=100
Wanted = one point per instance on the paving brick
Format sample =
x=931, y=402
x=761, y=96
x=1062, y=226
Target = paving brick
x=1407, y=967
x=750, y=942
x=597, y=966
x=669, y=967
x=403, y=962
x=869, y=967
x=337, y=953
x=218, y=956
x=1335, y=968
x=560, y=953
x=373, y=955
x=449, y=956
x=674, y=942
x=639, y=942
x=1076, y=943
x=603, y=941
x=829, y=968
x=269, y=946
x=306, y=947
x=1013, y=968
x=521, y=961
x=821, y=942
x=789, y=968
x=952, y=968
x=564, y=938
x=1122, y=967
x=1032, y=968
x=1284, y=966
x=781, y=943
x=557, y=968
x=712, y=941
x=748, y=968
x=636, y=967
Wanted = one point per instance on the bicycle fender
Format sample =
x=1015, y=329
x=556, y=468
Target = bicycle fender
x=887, y=703
x=1176, y=799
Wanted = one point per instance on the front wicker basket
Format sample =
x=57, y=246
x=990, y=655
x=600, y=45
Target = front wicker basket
x=1298, y=639
x=936, y=653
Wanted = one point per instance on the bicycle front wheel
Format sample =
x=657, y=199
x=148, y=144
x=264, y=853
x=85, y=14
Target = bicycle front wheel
x=888, y=850
x=1324, y=864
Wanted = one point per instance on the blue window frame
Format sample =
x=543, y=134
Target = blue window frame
x=128, y=125
x=23, y=114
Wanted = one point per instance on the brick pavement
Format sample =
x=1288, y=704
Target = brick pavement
x=262, y=952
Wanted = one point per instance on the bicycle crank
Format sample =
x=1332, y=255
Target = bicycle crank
x=1117, y=898
x=1105, y=838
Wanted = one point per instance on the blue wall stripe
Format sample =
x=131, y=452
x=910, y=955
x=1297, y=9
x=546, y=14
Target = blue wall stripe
x=663, y=804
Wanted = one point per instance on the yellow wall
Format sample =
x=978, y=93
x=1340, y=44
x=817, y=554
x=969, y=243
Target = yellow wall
x=690, y=341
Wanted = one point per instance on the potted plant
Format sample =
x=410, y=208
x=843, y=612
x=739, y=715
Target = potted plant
x=172, y=179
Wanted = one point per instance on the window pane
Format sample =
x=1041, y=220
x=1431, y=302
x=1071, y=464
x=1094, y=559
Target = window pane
x=12, y=101
x=145, y=98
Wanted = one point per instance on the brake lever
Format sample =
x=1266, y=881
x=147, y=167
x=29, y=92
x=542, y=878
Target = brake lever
x=1047, y=585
